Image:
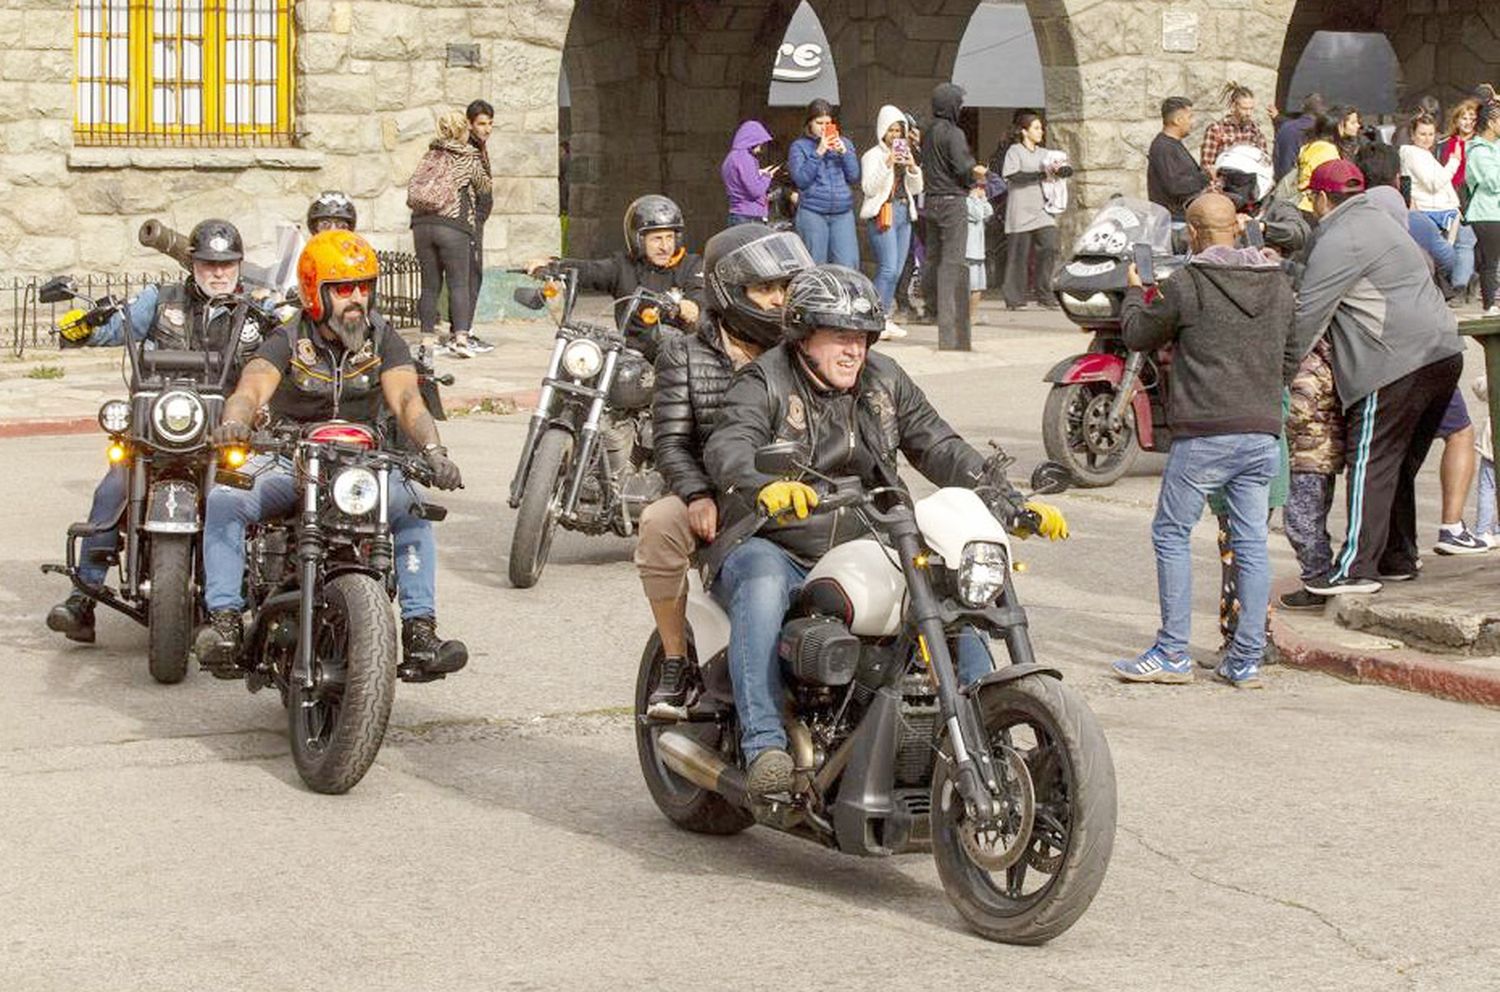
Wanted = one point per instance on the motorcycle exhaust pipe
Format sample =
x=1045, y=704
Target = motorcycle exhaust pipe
x=702, y=767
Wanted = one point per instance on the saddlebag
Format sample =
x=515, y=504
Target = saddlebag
x=819, y=650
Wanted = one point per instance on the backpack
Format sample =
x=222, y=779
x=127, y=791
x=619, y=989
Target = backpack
x=432, y=188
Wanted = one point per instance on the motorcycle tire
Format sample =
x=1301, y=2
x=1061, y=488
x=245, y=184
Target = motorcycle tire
x=1073, y=833
x=1062, y=429
x=541, y=501
x=170, y=621
x=689, y=806
x=337, y=727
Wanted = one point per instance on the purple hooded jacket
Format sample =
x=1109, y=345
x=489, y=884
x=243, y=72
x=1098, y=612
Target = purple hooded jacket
x=743, y=181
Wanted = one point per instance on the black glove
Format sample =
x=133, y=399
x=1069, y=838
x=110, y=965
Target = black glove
x=445, y=474
x=231, y=432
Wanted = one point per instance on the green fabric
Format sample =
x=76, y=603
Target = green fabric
x=1482, y=174
x=1218, y=505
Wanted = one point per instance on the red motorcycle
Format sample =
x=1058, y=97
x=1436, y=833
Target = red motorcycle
x=1109, y=403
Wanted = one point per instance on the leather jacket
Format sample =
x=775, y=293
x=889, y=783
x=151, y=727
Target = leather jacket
x=693, y=372
x=619, y=275
x=854, y=432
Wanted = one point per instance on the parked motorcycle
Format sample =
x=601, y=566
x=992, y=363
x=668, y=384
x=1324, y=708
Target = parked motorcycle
x=1109, y=403
x=587, y=463
x=319, y=587
x=1008, y=781
x=160, y=436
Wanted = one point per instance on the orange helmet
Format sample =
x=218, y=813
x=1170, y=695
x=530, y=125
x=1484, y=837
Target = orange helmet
x=333, y=257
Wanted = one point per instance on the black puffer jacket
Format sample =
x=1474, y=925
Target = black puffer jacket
x=854, y=432
x=693, y=372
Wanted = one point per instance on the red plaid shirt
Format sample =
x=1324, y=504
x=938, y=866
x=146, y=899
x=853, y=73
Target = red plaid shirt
x=1226, y=134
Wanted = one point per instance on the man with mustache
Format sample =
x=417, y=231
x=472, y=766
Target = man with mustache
x=340, y=361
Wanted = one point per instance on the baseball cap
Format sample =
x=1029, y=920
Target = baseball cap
x=1337, y=176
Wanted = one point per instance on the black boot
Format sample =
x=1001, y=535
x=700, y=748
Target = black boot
x=73, y=618
x=425, y=656
x=671, y=685
x=217, y=644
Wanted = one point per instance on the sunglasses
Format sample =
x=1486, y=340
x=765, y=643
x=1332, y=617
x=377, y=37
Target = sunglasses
x=343, y=290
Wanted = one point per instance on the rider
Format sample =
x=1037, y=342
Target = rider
x=654, y=257
x=331, y=211
x=855, y=409
x=191, y=314
x=1245, y=173
x=340, y=361
x=746, y=268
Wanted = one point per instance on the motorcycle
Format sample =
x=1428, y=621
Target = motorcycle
x=319, y=586
x=1008, y=782
x=587, y=462
x=160, y=436
x=1109, y=403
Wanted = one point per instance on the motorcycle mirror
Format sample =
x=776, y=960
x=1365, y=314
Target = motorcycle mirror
x=1049, y=478
x=55, y=290
x=781, y=458
x=529, y=297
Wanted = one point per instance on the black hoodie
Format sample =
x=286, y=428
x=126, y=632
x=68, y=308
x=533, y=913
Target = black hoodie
x=947, y=163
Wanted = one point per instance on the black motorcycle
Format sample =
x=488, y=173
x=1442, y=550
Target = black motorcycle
x=319, y=586
x=587, y=463
x=161, y=438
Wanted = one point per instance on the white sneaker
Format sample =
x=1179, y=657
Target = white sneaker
x=460, y=349
x=893, y=330
x=1493, y=540
x=1493, y=311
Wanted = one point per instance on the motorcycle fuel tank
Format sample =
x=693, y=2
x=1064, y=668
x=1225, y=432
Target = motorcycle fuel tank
x=864, y=571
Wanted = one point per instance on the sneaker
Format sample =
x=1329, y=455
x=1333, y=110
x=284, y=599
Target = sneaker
x=1249, y=680
x=770, y=773
x=423, y=651
x=1155, y=665
x=1015, y=306
x=893, y=330
x=1330, y=586
x=217, y=644
x=1491, y=311
x=479, y=345
x=1301, y=599
x=1462, y=543
x=73, y=618
x=1491, y=541
x=1399, y=574
x=671, y=686
x=1048, y=303
x=460, y=349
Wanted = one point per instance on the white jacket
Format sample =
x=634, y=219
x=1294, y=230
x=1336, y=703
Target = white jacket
x=1431, y=181
x=877, y=178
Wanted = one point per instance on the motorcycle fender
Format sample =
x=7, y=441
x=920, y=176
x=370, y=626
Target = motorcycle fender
x=1010, y=673
x=707, y=621
x=865, y=788
x=172, y=508
x=1104, y=367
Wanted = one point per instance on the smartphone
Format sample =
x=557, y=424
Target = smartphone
x=1145, y=265
x=831, y=132
x=901, y=148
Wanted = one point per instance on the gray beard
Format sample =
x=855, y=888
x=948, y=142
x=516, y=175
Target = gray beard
x=352, y=337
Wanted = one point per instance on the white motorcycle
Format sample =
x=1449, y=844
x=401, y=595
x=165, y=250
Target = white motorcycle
x=1008, y=781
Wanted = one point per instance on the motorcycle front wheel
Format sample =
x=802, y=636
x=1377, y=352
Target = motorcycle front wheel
x=170, y=620
x=1074, y=433
x=1053, y=732
x=338, y=724
x=541, y=502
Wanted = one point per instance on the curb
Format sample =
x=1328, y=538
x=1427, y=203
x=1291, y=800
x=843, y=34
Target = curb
x=1405, y=669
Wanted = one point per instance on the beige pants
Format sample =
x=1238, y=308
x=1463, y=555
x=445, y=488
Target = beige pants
x=665, y=549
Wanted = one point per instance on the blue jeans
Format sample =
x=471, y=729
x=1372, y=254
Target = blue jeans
x=1243, y=465
x=1464, y=265
x=109, y=500
x=277, y=493
x=890, y=247
x=829, y=237
x=756, y=586
x=1486, y=508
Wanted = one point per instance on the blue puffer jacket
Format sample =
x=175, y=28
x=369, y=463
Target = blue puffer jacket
x=823, y=182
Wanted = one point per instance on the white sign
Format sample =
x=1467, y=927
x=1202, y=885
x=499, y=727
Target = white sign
x=797, y=63
x=1179, y=29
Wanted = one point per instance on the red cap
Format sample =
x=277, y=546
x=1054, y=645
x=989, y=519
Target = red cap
x=1337, y=176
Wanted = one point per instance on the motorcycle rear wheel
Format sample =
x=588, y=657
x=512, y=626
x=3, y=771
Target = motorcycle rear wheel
x=338, y=725
x=541, y=502
x=170, y=621
x=1071, y=434
x=1055, y=733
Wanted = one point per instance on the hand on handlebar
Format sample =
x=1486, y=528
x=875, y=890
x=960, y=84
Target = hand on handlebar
x=1049, y=522
x=445, y=474
x=231, y=433
x=785, y=497
x=689, y=311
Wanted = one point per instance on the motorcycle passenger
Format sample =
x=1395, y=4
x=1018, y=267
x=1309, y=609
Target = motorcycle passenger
x=854, y=409
x=654, y=257
x=178, y=316
x=746, y=268
x=1246, y=175
x=338, y=362
x=331, y=211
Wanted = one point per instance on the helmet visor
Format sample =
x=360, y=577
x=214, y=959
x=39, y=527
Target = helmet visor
x=776, y=256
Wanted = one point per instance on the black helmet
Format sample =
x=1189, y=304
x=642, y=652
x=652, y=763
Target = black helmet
x=652, y=212
x=740, y=256
x=216, y=241
x=331, y=204
x=832, y=296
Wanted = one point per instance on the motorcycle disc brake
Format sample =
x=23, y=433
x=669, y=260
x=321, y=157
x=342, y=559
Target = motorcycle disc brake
x=996, y=844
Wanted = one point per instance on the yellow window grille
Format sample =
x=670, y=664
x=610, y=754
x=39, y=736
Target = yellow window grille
x=210, y=73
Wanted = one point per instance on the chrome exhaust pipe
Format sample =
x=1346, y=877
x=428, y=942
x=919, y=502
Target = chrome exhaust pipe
x=702, y=767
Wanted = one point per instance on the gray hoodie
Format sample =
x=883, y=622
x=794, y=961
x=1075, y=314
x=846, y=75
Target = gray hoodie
x=1368, y=286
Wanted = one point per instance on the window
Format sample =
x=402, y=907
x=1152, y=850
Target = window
x=211, y=73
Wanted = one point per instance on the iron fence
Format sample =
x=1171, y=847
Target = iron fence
x=399, y=287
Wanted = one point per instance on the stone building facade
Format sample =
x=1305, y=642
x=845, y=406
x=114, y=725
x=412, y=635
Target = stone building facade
x=657, y=86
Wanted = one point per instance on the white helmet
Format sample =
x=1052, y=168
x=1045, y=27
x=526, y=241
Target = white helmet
x=1250, y=161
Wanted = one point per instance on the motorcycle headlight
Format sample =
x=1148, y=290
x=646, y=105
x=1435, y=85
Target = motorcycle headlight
x=582, y=359
x=114, y=417
x=178, y=417
x=356, y=491
x=1097, y=305
x=981, y=573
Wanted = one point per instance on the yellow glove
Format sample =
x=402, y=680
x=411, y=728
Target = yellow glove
x=784, y=496
x=1050, y=524
x=72, y=327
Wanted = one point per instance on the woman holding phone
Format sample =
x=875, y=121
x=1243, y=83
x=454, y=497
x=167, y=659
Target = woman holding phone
x=822, y=164
x=891, y=179
x=746, y=181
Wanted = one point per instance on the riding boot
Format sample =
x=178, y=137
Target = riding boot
x=73, y=618
x=425, y=656
x=217, y=644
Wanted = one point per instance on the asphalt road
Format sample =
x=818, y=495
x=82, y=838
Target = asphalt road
x=1315, y=835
